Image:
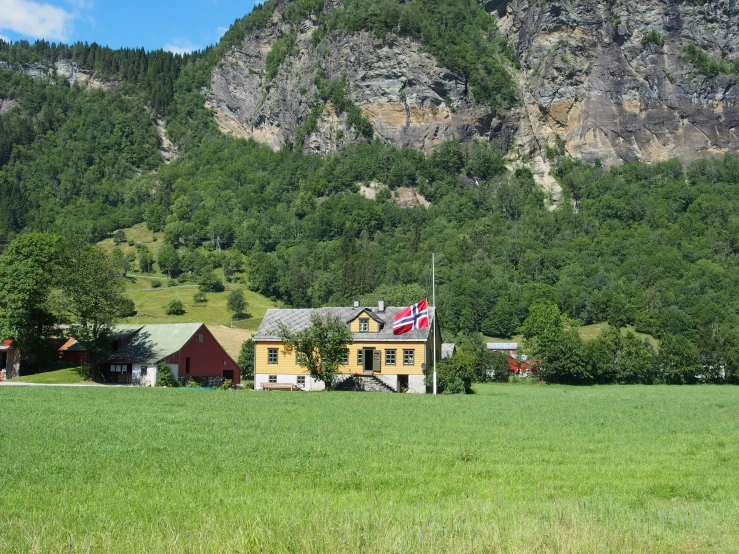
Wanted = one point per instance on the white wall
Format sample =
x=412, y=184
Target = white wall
x=310, y=383
x=151, y=375
x=390, y=380
x=417, y=384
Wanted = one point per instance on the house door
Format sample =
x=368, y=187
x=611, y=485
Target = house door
x=3, y=360
x=372, y=361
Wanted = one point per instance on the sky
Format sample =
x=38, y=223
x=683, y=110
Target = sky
x=178, y=26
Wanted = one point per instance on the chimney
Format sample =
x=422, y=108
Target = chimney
x=381, y=306
x=356, y=303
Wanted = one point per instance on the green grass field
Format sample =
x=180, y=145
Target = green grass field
x=69, y=376
x=512, y=469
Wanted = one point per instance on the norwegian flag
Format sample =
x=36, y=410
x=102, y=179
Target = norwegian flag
x=410, y=319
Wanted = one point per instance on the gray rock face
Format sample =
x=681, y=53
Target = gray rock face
x=588, y=79
x=62, y=68
x=399, y=87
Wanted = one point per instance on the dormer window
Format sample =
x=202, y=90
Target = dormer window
x=364, y=325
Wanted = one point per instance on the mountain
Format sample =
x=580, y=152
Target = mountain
x=614, y=81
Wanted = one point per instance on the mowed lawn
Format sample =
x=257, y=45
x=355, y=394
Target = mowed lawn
x=515, y=468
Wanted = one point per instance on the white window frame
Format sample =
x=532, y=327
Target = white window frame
x=364, y=325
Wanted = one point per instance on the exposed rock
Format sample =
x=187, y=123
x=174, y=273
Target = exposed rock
x=166, y=148
x=62, y=68
x=399, y=87
x=404, y=197
x=7, y=105
x=588, y=79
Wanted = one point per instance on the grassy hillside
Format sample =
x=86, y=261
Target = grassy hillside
x=512, y=469
x=151, y=304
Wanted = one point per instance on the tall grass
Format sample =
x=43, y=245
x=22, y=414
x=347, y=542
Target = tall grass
x=512, y=469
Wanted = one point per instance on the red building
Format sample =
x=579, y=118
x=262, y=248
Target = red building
x=189, y=348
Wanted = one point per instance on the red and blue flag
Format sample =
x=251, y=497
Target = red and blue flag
x=412, y=318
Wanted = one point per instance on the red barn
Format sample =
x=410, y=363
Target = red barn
x=189, y=348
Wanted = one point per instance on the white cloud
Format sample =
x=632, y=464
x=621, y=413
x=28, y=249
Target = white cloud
x=3, y=37
x=35, y=20
x=181, y=46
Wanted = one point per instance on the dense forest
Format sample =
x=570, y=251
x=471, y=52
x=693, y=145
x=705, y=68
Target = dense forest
x=653, y=246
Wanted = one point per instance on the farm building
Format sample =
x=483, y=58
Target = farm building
x=448, y=349
x=189, y=348
x=510, y=348
x=377, y=360
x=10, y=360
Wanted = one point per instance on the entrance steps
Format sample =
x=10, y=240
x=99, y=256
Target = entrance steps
x=365, y=383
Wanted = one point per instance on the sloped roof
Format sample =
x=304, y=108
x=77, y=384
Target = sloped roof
x=447, y=350
x=298, y=320
x=153, y=343
x=502, y=346
x=6, y=344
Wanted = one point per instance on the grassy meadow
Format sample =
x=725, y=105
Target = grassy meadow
x=67, y=376
x=514, y=468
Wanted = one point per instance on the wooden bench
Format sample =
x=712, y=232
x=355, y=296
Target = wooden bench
x=280, y=386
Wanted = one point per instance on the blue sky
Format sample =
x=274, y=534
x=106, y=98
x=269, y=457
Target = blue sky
x=178, y=26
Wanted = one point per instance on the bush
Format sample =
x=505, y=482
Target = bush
x=175, y=308
x=653, y=37
x=209, y=282
x=155, y=284
x=127, y=308
x=246, y=359
x=165, y=377
x=172, y=283
x=227, y=384
x=200, y=298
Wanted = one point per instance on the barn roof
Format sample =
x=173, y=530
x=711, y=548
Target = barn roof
x=153, y=343
x=6, y=344
x=299, y=320
x=502, y=346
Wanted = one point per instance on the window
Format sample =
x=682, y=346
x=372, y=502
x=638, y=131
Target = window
x=272, y=355
x=200, y=338
x=273, y=378
x=299, y=358
x=390, y=357
x=301, y=380
x=360, y=357
x=144, y=370
x=364, y=325
x=409, y=357
x=344, y=359
x=187, y=366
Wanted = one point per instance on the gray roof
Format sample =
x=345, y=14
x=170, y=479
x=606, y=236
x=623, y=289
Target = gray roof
x=153, y=343
x=447, y=350
x=298, y=320
x=502, y=346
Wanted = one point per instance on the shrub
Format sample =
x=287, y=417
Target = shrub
x=165, y=377
x=200, y=298
x=127, y=308
x=227, y=384
x=653, y=37
x=209, y=282
x=175, y=307
x=172, y=283
x=155, y=284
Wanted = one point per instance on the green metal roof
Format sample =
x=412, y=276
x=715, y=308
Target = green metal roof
x=153, y=343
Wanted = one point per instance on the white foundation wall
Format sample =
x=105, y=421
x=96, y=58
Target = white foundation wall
x=310, y=383
x=417, y=384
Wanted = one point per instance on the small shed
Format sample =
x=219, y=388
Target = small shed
x=448, y=349
x=10, y=360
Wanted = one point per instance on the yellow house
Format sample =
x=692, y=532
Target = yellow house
x=400, y=363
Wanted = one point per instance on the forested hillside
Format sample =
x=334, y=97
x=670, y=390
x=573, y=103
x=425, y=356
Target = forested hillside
x=654, y=246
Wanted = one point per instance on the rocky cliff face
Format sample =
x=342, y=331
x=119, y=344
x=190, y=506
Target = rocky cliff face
x=586, y=79
x=409, y=99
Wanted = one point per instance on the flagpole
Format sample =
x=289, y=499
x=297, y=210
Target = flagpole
x=433, y=299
